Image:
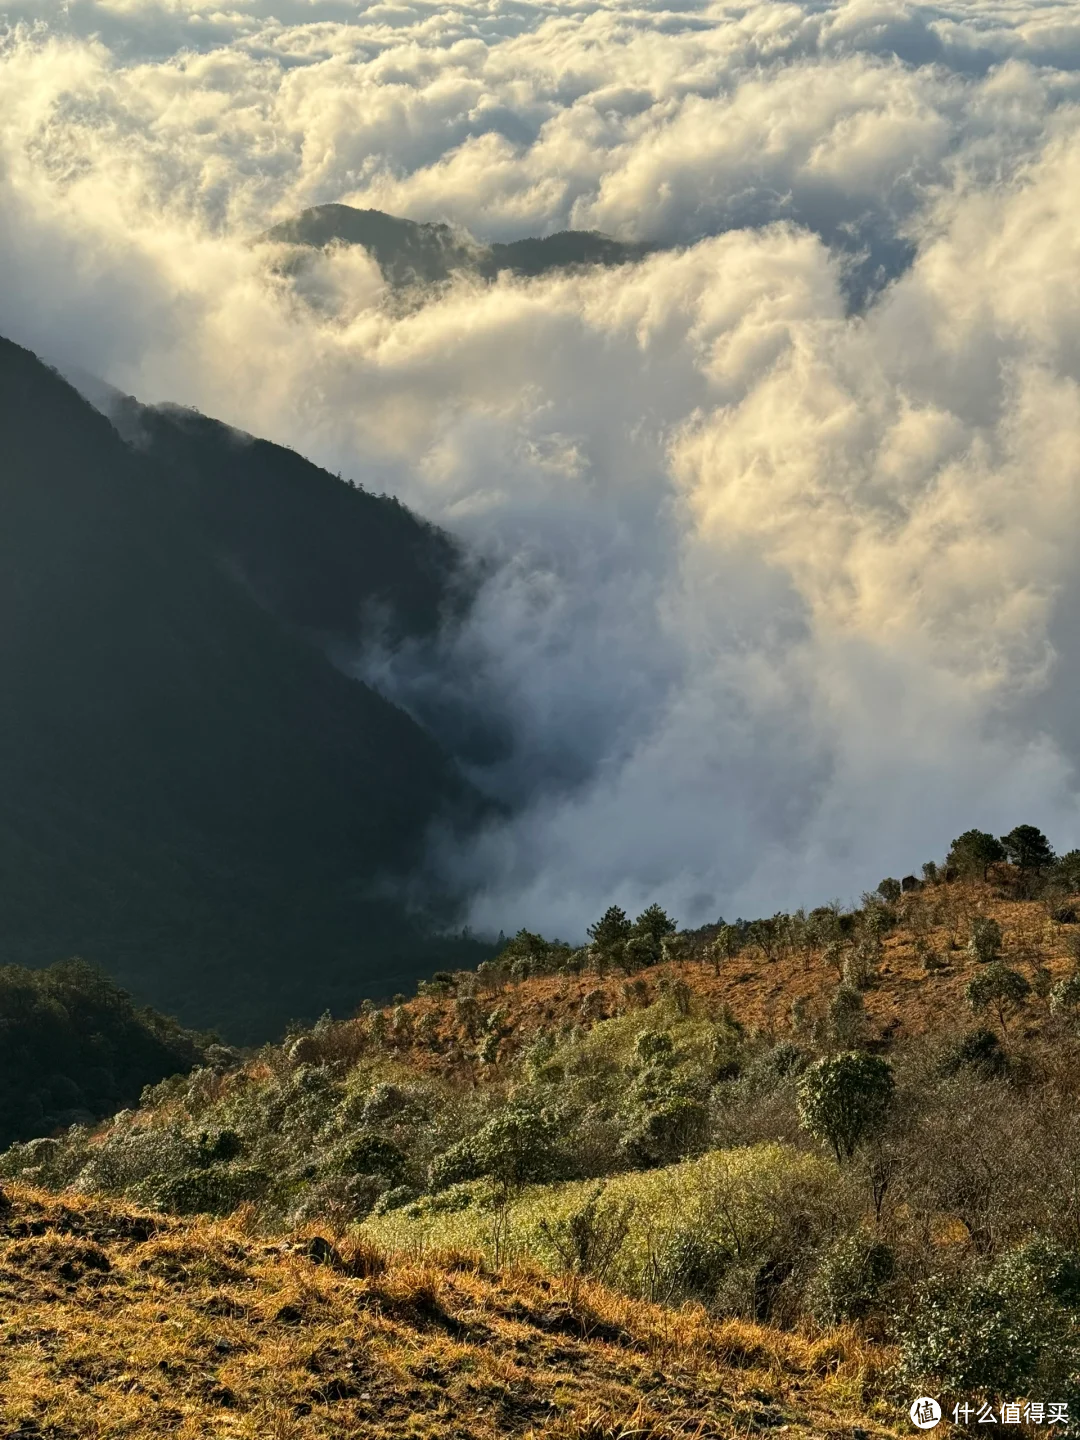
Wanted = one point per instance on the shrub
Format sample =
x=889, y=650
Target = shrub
x=725, y=946
x=53, y=1163
x=516, y=1146
x=846, y=1015
x=589, y=1238
x=783, y=1061
x=215, y=1190
x=1065, y=997
x=382, y=1101
x=487, y=1052
x=692, y=1265
x=999, y=987
x=1013, y=1330
x=850, y=1279
x=394, y=1199
x=861, y=962
x=977, y=1050
x=129, y=1156
x=219, y=1145
x=928, y=956
x=652, y=1045
x=372, y=1155
x=985, y=942
x=674, y=1127
x=845, y=1099
x=677, y=993
x=467, y=1015
x=457, y=1163
x=639, y=952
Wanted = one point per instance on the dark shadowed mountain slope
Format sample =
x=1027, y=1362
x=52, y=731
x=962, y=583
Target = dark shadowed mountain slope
x=75, y=1049
x=321, y=554
x=410, y=252
x=190, y=794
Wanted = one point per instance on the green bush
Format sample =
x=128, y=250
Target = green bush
x=213, y=1190
x=652, y=1045
x=673, y=1127
x=219, y=1145
x=1000, y=989
x=985, y=942
x=517, y=1146
x=1065, y=997
x=782, y=1063
x=1013, y=1330
x=846, y=1014
x=588, y=1239
x=458, y=1162
x=394, y=1199
x=850, y=1279
x=692, y=1266
x=978, y=1050
x=844, y=1099
x=372, y=1155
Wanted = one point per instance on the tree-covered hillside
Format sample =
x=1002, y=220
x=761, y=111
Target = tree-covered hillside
x=193, y=796
x=322, y=555
x=73, y=1049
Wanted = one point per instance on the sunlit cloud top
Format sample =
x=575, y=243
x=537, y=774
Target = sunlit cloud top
x=784, y=591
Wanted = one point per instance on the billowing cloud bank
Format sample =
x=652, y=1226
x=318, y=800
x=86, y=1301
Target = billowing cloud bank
x=787, y=583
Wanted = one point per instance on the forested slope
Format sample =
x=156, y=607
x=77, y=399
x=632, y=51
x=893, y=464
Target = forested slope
x=193, y=796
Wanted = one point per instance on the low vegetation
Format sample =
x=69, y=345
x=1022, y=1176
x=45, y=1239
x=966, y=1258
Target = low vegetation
x=858, y=1117
x=118, y=1323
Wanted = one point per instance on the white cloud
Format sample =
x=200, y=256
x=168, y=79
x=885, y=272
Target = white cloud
x=785, y=594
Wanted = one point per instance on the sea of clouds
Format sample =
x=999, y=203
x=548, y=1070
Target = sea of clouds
x=783, y=520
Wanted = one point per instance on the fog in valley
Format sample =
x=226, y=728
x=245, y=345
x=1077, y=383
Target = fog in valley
x=777, y=522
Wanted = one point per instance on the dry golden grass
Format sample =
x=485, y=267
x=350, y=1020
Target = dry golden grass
x=115, y=1323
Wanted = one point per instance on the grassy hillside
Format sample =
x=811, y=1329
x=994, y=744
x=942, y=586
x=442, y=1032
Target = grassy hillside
x=645, y=1114
x=122, y=1324
x=193, y=795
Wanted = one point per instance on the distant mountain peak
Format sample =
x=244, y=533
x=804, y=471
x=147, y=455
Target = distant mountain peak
x=411, y=252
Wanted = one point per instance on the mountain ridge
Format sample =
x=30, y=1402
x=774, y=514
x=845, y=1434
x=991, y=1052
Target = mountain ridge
x=411, y=252
x=193, y=793
x=321, y=553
